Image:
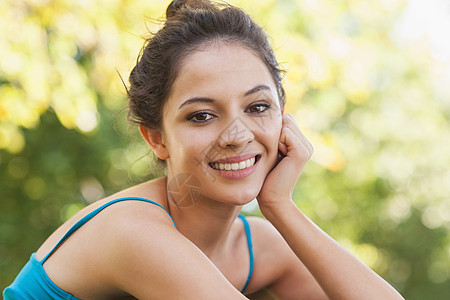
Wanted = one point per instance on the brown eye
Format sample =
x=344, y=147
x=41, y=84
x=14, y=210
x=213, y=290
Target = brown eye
x=258, y=108
x=200, y=117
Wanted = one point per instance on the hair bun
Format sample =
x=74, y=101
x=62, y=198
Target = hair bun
x=176, y=5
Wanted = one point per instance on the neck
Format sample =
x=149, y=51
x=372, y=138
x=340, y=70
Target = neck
x=207, y=223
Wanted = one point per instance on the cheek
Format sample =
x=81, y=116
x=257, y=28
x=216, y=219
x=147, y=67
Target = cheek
x=275, y=131
x=270, y=137
x=274, y=141
x=186, y=145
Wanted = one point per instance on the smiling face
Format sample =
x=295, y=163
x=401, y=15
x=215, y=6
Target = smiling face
x=222, y=122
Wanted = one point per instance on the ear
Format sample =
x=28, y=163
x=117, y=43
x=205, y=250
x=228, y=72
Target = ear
x=154, y=140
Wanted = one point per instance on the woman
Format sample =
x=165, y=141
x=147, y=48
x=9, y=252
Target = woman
x=207, y=95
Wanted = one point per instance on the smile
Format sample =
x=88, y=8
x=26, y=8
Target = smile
x=234, y=166
x=237, y=166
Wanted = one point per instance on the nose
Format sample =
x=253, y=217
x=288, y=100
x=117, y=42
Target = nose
x=237, y=134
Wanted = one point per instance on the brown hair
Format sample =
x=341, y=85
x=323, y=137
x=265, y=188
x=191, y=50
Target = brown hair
x=190, y=24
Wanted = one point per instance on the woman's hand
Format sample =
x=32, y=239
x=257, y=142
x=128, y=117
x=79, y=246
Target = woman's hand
x=294, y=152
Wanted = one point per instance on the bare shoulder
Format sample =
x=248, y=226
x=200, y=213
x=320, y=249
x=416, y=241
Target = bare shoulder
x=264, y=235
x=138, y=213
x=144, y=206
x=282, y=273
x=270, y=254
x=137, y=227
x=116, y=212
x=268, y=244
x=152, y=259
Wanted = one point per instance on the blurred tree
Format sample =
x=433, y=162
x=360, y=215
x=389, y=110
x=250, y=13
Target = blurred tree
x=372, y=104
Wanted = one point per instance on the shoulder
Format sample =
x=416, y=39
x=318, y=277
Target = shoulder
x=264, y=235
x=270, y=248
x=143, y=205
x=267, y=240
x=276, y=265
x=136, y=225
x=270, y=251
x=131, y=213
x=150, y=258
x=135, y=230
x=133, y=217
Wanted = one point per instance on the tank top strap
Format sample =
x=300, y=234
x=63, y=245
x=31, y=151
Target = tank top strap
x=90, y=215
x=250, y=250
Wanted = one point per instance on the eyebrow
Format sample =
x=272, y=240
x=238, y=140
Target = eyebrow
x=209, y=100
x=195, y=100
x=257, y=89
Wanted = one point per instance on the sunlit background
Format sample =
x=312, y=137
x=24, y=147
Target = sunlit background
x=367, y=81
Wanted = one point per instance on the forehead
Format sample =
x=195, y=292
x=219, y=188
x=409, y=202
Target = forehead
x=222, y=53
x=221, y=69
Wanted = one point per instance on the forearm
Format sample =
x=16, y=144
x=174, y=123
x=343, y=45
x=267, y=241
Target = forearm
x=340, y=274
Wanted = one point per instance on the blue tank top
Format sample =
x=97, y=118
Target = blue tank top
x=33, y=282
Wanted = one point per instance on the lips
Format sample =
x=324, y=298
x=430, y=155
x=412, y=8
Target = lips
x=234, y=166
x=236, y=163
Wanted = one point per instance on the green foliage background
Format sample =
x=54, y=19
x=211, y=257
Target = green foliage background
x=376, y=108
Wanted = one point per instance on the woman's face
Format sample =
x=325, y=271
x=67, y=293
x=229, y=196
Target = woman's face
x=222, y=122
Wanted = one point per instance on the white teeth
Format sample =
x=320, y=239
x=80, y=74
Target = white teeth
x=248, y=163
x=234, y=166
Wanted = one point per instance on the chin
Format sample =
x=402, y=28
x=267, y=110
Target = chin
x=241, y=197
x=243, y=200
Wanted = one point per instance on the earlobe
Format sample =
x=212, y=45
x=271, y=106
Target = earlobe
x=154, y=140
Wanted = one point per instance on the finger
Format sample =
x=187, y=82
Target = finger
x=283, y=148
x=290, y=123
x=292, y=145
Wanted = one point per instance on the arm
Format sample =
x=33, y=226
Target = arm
x=152, y=260
x=338, y=272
